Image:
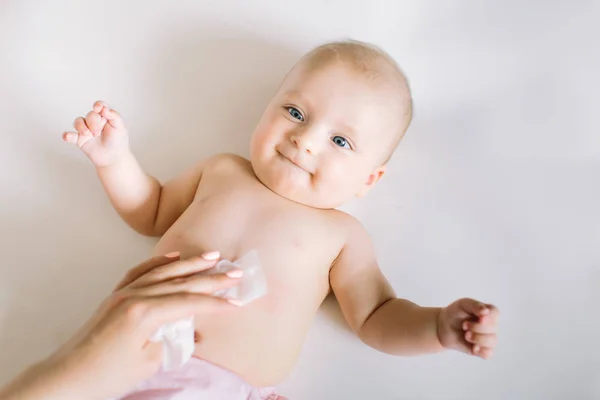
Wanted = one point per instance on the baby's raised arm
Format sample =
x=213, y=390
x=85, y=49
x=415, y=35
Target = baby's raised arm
x=140, y=199
x=397, y=326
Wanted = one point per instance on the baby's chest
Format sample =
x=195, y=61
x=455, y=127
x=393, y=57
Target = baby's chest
x=237, y=221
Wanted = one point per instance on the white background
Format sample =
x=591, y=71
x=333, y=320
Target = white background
x=493, y=193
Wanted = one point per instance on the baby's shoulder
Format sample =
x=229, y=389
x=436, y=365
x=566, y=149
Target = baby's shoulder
x=351, y=228
x=226, y=159
x=226, y=162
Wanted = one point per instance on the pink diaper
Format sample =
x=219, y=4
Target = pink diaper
x=199, y=379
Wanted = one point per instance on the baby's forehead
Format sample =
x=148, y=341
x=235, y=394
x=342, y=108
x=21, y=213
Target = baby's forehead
x=337, y=79
x=338, y=90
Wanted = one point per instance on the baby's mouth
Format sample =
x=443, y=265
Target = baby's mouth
x=291, y=160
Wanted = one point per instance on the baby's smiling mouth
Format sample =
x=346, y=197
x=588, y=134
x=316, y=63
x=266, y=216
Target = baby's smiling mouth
x=291, y=160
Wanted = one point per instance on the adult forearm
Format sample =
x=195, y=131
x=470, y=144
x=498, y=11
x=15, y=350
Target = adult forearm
x=43, y=380
x=400, y=327
x=134, y=194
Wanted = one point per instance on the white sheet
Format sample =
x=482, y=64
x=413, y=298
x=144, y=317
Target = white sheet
x=493, y=193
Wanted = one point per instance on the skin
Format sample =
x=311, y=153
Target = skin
x=320, y=142
x=160, y=290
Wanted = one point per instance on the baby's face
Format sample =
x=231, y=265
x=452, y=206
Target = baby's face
x=324, y=136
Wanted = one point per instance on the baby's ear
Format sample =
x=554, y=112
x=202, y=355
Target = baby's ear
x=373, y=178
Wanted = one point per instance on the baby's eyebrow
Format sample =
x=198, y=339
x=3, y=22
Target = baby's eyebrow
x=348, y=129
x=295, y=94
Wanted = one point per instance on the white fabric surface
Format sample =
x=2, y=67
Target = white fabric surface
x=493, y=193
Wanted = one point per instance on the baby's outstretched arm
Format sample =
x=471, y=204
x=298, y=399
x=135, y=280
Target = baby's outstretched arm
x=397, y=326
x=147, y=206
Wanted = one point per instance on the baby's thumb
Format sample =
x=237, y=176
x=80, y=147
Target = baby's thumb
x=472, y=307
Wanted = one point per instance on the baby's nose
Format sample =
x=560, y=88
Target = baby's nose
x=306, y=141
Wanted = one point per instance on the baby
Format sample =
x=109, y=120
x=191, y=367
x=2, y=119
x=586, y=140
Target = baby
x=324, y=138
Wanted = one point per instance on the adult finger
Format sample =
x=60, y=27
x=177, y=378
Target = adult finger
x=205, y=284
x=177, y=269
x=146, y=266
x=149, y=313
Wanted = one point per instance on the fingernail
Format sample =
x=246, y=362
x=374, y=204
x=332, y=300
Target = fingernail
x=235, y=302
x=211, y=255
x=235, y=273
x=476, y=349
x=468, y=335
x=484, y=310
x=172, y=254
x=465, y=326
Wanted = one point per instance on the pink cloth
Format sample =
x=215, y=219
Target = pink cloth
x=199, y=380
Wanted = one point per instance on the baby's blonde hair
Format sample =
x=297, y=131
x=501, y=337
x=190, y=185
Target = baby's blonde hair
x=371, y=61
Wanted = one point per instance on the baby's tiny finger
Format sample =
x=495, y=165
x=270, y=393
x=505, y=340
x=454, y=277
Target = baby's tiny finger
x=99, y=105
x=112, y=117
x=480, y=327
x=70, y=137
x=81, y=127
x=94, y=122
x=494, y=313
x=483, y=352
x=472, y=307
x=481, y=339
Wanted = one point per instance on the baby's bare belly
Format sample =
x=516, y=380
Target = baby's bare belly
x=261, y=340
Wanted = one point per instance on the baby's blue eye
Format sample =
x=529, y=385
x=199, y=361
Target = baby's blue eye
x=340, y=141
x=295, y=113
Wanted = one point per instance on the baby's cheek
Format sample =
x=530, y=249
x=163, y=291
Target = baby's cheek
x=342, y=179
x=256, y=144
x=333, y=173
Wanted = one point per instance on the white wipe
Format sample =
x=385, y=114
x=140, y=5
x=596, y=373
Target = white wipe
x=252, y=284
x=178, y=337
x=178, y=343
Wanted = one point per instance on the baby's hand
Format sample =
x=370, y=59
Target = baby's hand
x=469, y=326
x=101, y=135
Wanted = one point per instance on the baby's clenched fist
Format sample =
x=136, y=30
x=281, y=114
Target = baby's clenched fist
x=469, y=326
x=101, y=135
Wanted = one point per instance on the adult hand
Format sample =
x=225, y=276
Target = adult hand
x=112, y=353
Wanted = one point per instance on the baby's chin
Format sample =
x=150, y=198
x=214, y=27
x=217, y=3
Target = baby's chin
x=289, y=190
x=294, y=185
x=301, y=195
